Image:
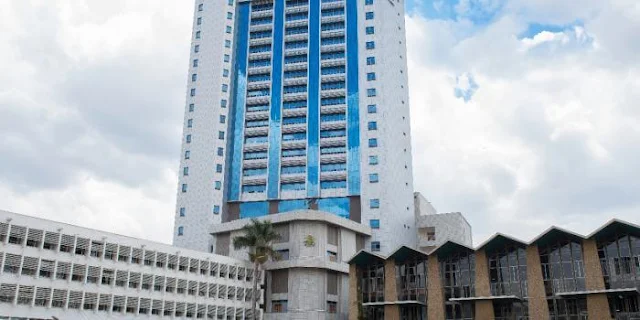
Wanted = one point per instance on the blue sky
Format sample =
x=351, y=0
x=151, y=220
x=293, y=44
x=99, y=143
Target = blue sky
x=523, y=112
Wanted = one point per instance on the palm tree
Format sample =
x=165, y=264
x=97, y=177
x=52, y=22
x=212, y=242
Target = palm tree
x=258, y=238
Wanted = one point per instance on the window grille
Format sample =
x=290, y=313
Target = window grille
x=90, y=301
x=184, y=264
x=239, y=294
x=241, y=273
x=12, y=263
x=145, y=306
x=63, y=270
x=161, y=260
x=193, y=287
x=147, y=279
x=232, y=272
x=172, y=262
x=34, y=238
x=110, y=251
x=43, y=297
x=124, y=253
x=221, y=311
x=67, y=243
x=156, y=307
x=104, y=303
x=7, y=292
x=97, y=249
x=169, y=307
x=193, y=265
x=180, y=306
x=4, y=231
x=158, y=283
x=182, y=286
x=132, y=304
x=239, y=312
x=149, y=258
x=118, y=303
x=230, y=311
x=134, y=280
x=136, y=256
x=213, y=271
x=107, y=276
x=171, y=285
x=93, y=274
x=204, y=267
x=191, y=310
x=16, y=235
x=25, y=295
x=46, y=268
x=223, y=270
x=211, y=311
x=51, y=241
x=202, y=289
x=212, y=290
x=82, y=246
x=79, y=271
x=222, y=292
x=121, y=278
x=29, y=266
x=75, y=300
x=59, y=298
x=249, y=275
x=202, y=310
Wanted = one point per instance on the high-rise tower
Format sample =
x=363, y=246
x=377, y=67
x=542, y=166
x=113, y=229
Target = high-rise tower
x=297, y=104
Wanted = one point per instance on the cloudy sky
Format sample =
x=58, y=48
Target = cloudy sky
x=525, y=113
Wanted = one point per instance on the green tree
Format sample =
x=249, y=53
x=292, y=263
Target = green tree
x=258, y=238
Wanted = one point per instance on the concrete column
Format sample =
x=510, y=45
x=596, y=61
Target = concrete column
x=484, y=309
x=391, y=312
x=435, y=305
x=597, y=304
x=353, y=293
x=538, y=306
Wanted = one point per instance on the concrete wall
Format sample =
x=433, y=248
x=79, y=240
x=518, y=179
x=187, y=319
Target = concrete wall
x=448, y=227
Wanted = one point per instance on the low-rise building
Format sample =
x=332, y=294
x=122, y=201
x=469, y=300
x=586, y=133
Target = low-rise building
x=51, y=269
x=311, y=279
x=557, y=275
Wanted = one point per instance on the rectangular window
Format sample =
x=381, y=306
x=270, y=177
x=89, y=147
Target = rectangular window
x=188, y=138
x=228, y=29
x=194, y=77
x=200, y=7
x=218, y=168
x=374, y=223
x=374, y=203
x=372, y=125
x=184, y=187
x=372, y=108
x=370, y=45
x=193, y=92
x=371, y=61
x=223, y=103
x=223, y=119
x=221, y=135
x=216, y=209
x=225, y=87
x=371, y=76
x=192, y=107
x=375, y=245
x=227, y=58
x=373, y=143
x=279, y=306
x=195, y=63
x=199, y=21
x=196, y=48
x=220, y=151
x=182, y=211
x=373, y=178
x=371, y=92
x=332, y=307
x=370, y=30
x=368, y=2
x=187, y=155
x=373, y=160
x=190, y=123
x=229, y=15
x=198, y=34
x=369, y=15
x=185, y=171
x=218, y=185
x=225, y=73
x=227, y=43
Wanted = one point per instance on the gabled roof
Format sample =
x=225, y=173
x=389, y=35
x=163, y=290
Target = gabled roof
x=553, y=233
x=449, y=247
x=405, y=253
x=365, y=258
x=615, y=226
x=499, y=240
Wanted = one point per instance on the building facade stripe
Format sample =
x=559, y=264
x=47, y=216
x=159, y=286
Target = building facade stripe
x=275, y=118
x=239, y=100
x=313, y=97
x=353, y=101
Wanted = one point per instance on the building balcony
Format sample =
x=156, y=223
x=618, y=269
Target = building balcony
x=297, y=9
x=295, y=96
x=259, y=70
x=332, y=5
x=260, y=41
x=258, y=100
x=261, y=27
x=265, y=84
x=260, y=55
x=295, y=66
x=333, y=125
x=254, y=180
x=333, y=93
x=332, y=33
x=338, y=108
x=295, y=52
x=339, y=18
x=294, y=161
x=257, y=115
x=333, y=77
x=296, y=37
x=296, y=23
x=293, y=177
x=334, y=62
x=333, y=158
x=295, y=144
x=333, y=175
x=254, y=163
x=256, y=131
x=293, y=128
x=261, y=14
x=294, y=112
x=333, y=47
x=295, y=81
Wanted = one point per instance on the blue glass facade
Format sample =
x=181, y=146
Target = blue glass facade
x=275, y=125
x=313, y=126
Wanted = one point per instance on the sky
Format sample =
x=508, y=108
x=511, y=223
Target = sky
x=525, y=113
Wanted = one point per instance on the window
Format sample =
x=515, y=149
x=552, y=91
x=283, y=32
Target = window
x=368, y=15
x=223, y=103
x=220, y=151
x=228, y=29
x=199, y=21
x=198, y=34
x=221, y=135
x=283, y=254
x=375, y=245
x=180, y=231
x=371, y=61
x=230, y=2
x=225, y=87
x=187, y=155
x=227, y=43
x=227, y=58
x=192, y=107
x=332, y=307
x=194, y=77
x=193, y=92
x=373, y=143
x=196, y=48
x=190, y=123
x=372, y=125
x=218, y=185
x=373, y=160
x=372, y=108
x=185, y=171
x=373, y=178
x=371, y=92
x=223, y=119
x=371, y=76
x=370, y=30
x=279, y=306
x=229, y=15
x=370, y=45
x=225, y=73
x=184, y=187
x=333, y=257
x=216, y=209
x=431, y=234
x=374, y=223
x=368, y=2
x=195, y=63
x=374, y=203
x=182, y=211
x=188, y=139
x=218, y=168
x=200, y=7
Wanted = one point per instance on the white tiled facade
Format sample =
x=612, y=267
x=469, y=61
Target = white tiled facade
x=435, y=229
x=247, y=55
x=54, y=269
